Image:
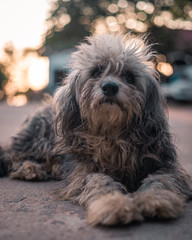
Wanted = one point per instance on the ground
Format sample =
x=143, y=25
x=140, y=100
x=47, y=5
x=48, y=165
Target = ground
x=29, y=211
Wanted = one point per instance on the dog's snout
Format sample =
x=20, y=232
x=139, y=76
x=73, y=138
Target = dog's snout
x=110, y=88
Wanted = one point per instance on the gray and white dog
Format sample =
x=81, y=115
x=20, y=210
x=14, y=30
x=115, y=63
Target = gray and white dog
x=106, y=136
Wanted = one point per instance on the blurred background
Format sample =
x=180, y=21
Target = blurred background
x=38, y=37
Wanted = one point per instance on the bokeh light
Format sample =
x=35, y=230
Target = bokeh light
x=17, y=101
x=165, y=68
x=38, y=77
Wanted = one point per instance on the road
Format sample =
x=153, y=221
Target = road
x=28, y=210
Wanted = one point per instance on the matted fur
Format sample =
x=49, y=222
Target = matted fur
x=113, y=151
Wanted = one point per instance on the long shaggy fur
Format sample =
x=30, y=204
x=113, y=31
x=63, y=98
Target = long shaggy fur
x=113, y=149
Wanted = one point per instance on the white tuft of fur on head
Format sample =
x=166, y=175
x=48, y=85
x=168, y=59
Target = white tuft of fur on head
x=117, y=49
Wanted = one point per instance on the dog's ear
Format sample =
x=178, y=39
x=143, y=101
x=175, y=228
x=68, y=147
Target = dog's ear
x=153, y=130
x=154, y=103
x=153, y=120
x=67, y=113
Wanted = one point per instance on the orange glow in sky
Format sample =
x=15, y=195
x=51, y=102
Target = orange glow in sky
x=38, y=73
x=23, y=22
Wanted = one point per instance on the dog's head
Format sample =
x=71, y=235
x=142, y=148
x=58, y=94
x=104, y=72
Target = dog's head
x=112, y=85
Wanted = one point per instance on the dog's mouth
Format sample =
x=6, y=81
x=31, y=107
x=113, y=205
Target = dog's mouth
x=107, y=101
x=111, y=101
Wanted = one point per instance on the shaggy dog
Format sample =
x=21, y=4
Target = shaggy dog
x=106, y=136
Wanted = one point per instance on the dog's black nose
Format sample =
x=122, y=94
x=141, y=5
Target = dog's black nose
x=110, y=89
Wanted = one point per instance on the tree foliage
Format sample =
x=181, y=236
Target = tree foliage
x=3, y=80
x=71, y=20
x=4, y=75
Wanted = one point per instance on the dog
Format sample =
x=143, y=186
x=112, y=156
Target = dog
x=106, y=136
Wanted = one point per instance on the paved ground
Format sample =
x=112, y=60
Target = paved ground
x=29, y=211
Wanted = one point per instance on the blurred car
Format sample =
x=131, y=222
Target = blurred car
x=180, y=85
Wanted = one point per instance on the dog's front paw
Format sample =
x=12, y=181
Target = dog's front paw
x=113, y=209
x=163, y=204
x=30, y=171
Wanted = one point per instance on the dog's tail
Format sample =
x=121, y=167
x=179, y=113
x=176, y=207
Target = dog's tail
x=5, y=162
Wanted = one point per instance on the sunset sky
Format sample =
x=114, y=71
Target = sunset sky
x=22, y=22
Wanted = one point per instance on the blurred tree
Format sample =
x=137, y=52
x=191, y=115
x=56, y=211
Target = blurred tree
x=3, y=80
x=12, y=81
x=71, y=20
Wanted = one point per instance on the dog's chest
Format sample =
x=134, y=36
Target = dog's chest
x=109, y=154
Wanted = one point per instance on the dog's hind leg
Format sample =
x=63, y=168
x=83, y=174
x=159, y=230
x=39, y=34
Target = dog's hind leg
x=30, y=150
x=30, y=171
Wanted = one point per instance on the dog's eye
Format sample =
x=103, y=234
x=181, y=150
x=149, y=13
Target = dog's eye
x=128, y=76
x=97, y=72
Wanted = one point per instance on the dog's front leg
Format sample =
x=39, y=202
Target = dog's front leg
x=106, y=201
x=163, y=195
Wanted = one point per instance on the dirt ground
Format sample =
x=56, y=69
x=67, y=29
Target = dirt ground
x=29, y=211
